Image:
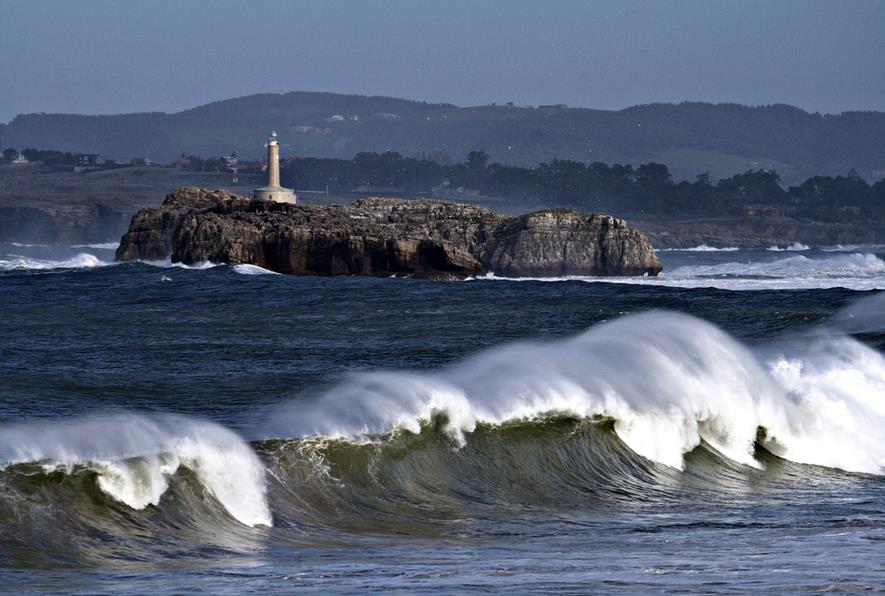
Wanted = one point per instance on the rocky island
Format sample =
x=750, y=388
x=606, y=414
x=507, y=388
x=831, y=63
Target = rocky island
x=383, y=237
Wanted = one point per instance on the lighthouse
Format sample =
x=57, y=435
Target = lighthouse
x=273, y=191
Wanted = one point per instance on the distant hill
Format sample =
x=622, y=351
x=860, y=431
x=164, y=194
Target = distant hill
x=690, y=138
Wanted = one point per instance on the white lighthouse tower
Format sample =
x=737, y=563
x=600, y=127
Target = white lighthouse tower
x=273, y=191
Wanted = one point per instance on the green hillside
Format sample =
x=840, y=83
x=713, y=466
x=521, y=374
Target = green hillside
x=689, y=137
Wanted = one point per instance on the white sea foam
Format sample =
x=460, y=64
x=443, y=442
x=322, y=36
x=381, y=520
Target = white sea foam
x=849, y=265
x=242, y=268
x=867, y=315
x=702, y=248
x=838, y=386
x=246, y=269
x=168, y=264
x=136, y=455
x=80, y=261
x=668, y=380
x=795, y=247
x=99, y=245
x=854, y=271
x=854, y=248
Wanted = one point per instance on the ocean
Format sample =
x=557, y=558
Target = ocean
x=221, y=428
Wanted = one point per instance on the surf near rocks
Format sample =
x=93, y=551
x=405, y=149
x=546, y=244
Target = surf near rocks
x=383, y=237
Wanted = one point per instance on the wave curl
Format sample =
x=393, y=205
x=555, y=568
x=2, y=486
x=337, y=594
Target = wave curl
x=135, y=456
x=668, y=381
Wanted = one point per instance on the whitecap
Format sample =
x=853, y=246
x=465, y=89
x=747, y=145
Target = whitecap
x=247, y=269
x=135, y=456
x=669, y=381
x=168, y=264
x=795, y=247
x=854, y=271
x=99, y=245
x=854, y=248
x=702, y=248
x=800, y=266
x=80, y=261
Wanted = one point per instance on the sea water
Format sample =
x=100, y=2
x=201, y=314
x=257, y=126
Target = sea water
x=223, y=428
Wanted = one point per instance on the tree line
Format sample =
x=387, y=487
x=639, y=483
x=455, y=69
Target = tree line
x=624, y=189
x=618, y=188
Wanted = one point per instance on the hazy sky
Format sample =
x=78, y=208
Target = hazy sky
x=90, y=56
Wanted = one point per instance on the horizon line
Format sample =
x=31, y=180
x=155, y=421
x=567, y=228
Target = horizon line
x=513, y=105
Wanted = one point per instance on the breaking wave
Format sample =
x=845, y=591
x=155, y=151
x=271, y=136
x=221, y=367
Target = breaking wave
x=99, y=245
x=241, y=268
x=643, y=408
x=865, y=316
x=849, y=265
x=168, y=264
x=702, y=248
x=854, y=248
x=667, y=381
x=795, y=247
x=80, y=261
x=246, y=269
x=134, y=459
x=854, y=271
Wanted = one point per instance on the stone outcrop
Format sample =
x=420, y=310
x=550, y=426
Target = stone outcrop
x=432, y=239
x=556, y=242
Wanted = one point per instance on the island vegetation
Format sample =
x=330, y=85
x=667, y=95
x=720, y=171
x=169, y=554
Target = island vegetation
x=648, y=189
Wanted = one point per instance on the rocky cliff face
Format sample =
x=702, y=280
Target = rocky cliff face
x=432, y=239
x=556, y=242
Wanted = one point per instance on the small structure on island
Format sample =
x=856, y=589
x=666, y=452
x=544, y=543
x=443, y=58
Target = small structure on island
x=273, y=191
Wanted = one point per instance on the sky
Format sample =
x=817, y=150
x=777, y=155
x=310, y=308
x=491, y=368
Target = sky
x=109, y=56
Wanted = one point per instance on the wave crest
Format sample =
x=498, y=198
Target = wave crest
x=134, y=457
x=795, y=247
x=702, y=248
x=80, y=261
x=841, y=266
x=668, y=381
x=246, y=269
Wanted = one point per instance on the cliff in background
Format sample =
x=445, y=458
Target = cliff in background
x=432, y=239
x=42, y=206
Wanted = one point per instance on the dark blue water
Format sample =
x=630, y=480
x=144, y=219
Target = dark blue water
x=175, y=429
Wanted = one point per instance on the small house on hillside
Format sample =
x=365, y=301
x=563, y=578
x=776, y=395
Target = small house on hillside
x=92, y=159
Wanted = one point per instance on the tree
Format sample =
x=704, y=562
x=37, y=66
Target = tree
x=477, y=160
x=9, y=154
x=754, y=185
x=653, y=175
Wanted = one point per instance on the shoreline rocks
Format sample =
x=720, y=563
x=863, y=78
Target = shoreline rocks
x=383, y=237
